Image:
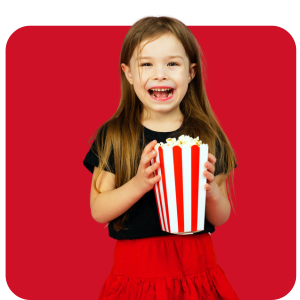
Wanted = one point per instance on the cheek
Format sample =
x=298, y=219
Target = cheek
x=138, y=77
x=139, y=88
x=183, y=87
x=183, y=83
x=182, y=78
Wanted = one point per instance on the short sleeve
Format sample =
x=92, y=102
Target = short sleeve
x=91, y=160
x=221, y=168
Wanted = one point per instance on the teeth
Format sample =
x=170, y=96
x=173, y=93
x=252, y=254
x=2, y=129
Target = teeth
x=170, y=94
x=160, y=90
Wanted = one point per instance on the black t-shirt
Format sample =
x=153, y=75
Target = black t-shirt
x=143, y=219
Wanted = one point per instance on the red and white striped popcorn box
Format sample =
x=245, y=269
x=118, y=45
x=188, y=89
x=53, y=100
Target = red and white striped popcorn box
x=180, y=193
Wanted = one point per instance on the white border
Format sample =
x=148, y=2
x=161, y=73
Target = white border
x=15, y=14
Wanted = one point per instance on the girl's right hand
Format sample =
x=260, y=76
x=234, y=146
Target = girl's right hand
x=145, y=178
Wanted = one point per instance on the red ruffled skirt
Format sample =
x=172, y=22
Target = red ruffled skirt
x=169, y=267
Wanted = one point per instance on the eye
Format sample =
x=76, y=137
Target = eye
x=173, y=63
x=150, y=64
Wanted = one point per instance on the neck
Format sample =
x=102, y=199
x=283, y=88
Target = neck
x=163, y=124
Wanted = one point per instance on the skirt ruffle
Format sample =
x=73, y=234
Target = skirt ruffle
x=140, y=275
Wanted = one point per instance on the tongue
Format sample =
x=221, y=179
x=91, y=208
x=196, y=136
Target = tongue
x=160, y=94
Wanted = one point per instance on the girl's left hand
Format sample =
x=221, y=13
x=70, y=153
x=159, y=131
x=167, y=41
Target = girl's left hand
x=211, y=186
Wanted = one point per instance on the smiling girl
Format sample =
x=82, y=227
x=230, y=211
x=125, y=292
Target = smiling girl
x=163, y=96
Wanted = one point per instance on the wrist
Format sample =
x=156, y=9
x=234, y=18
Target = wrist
x=217, y=208
x=137, y=187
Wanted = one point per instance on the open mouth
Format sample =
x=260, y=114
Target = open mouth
x=161, y=93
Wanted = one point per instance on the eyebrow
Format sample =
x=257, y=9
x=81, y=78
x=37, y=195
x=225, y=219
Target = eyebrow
x=173, y=56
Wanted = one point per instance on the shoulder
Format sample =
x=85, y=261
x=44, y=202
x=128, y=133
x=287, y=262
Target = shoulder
x=101, y=136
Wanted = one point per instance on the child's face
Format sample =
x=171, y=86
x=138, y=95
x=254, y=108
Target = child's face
x=160, y=71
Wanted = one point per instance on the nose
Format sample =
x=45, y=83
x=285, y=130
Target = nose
x=159, y=73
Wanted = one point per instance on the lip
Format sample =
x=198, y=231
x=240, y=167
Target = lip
x=160, y=87
x=162, y=99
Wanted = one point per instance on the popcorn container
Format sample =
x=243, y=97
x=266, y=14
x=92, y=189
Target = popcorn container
x=180, y=193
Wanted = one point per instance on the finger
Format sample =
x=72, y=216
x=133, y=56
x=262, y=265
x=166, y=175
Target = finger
x=209, y=176
x=210, y=167
x=147, y=159
x=211, y=158
x=207, y=187
x=155, y=179
x=148, y=148
x=151, y=170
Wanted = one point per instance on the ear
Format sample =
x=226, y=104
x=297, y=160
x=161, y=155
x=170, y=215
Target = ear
x=193, y=71
x=127, y=72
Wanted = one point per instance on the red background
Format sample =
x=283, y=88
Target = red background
x=64, y=82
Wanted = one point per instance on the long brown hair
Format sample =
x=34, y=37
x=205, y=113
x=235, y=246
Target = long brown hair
x=124, y=129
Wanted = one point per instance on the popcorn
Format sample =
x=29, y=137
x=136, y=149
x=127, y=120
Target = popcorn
x=182, y=140
x=180, y=193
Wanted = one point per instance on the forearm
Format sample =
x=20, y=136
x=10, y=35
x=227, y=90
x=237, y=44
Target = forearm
x=111, y=204
x=217, y=210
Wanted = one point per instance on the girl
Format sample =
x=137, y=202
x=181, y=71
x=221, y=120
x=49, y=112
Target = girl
x=163, y=96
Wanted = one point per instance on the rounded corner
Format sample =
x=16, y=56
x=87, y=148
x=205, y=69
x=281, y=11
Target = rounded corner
x=290, y=289
x=289, y=34
x=13, y=34
x=12, y=290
